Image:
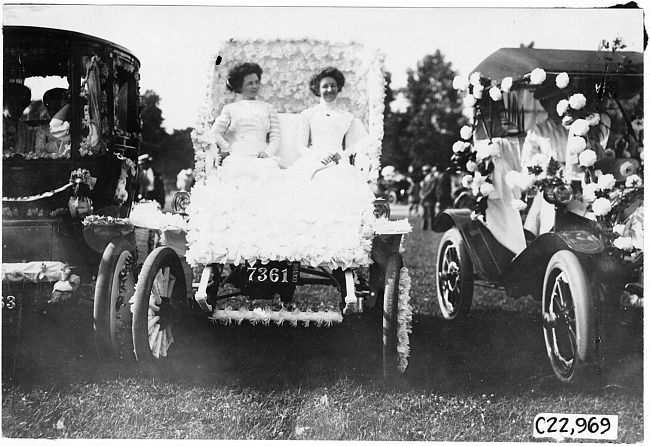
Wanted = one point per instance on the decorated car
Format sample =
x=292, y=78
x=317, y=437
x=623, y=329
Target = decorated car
x=243, y=246
x=554, y=161
x=71, y=137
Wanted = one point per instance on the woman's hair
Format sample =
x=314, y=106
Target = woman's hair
x=236, y=76
x=314, y=83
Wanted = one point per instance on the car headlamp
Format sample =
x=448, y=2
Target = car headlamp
x=382, y=209
x=180, y=202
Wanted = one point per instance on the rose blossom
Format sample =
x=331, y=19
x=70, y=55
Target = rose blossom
x=562, y=80
x=467, y=181
x=562, y=107
x=466, y=132
x=460, y=83
x=601, y=206
x=576, y=144
x=469, y=101
x=459, y=146
x=579, y=127
x=471, y=166
x=633, y=181
x=577, y=101
x=606, y=181
x=618, y=229
x=506, y=84
x=495, y=94
x=487, y=189
x=538, y=76
x=624, y=243
x=587, y=158
x=475, y=78
x=566, y=121
x=589, y=192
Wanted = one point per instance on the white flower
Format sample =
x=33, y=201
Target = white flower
x=606, y=181
x=506, y=84
x=576, y=144
x=579, y=127
x=601, y=206
x=562, y=107
x=593, y=119
x=577, y=101
x=469, y=101
x=460, y=83
x=633, y=181
x=475, y=78
x=471, y=166
x=459, y=146
x=487, y=189
x=466, y=132
x=562, y=80
x=538, y=76
x=467, y=181
x=624, y=243
x=587, y=158
x=589, y=192
x=495, y=94
x=519, y=180
x=478, y=91
x=541, y=160
x=485, y=149
x=618, y=229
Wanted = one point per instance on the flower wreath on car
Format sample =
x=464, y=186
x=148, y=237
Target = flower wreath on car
x=617, y=207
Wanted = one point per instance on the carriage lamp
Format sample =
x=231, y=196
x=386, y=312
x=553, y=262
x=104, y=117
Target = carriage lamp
x=563, y=194
x=382, y=209
x=80, y=205
x=180, y=202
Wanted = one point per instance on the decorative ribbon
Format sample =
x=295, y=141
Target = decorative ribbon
x=39, y=196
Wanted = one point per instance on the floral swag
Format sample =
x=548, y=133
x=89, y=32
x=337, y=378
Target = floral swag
x=288, y=65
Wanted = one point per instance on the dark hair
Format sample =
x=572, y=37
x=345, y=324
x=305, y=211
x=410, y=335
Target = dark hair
x=239, y=72
x=314, y=83
x=17, y=91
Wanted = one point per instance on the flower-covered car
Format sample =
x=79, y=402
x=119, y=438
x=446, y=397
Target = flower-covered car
x=258, y=258
x=554, y=160
x=71, y=136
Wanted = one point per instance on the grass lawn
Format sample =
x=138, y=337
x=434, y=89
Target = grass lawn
x=481, y=381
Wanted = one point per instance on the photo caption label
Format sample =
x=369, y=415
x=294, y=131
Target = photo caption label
x=564, y=425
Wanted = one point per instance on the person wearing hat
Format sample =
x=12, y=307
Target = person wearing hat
x=17, y=137
x=150, y=185
x=428, y=195
x=54, y=139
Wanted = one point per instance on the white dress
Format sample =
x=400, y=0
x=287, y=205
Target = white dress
x=246, y=214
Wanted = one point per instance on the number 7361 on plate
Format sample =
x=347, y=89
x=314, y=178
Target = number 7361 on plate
x=563, y=425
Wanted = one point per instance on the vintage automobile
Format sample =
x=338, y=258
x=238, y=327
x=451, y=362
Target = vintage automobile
x=71, y=137
x=145, y=298
x=573, y=261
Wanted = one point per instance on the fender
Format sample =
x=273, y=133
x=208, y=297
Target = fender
x=489, y=257
x=525, y=274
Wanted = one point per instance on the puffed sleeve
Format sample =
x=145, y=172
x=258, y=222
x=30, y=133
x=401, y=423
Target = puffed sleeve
x=355, y=133
x=220, y=127
x=274, y=132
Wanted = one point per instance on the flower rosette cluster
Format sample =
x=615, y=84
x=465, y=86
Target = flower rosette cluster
x=287, y=68
x=475, y=160
x=404, y=319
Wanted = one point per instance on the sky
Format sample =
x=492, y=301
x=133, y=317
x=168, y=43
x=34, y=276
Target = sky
x=174, y=43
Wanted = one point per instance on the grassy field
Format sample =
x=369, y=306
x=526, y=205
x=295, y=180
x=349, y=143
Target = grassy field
x=482, y=380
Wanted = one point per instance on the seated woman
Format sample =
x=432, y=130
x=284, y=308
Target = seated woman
x=253, y=123
x=54, y=137
x=328, y=135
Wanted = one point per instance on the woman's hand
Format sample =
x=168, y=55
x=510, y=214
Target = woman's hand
x=262, y=155
x=331, y=157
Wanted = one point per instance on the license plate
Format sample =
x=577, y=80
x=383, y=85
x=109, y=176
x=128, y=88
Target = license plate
x=274, y=272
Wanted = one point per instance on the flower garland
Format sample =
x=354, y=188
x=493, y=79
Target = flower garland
x=404, y=319
x=288, y=65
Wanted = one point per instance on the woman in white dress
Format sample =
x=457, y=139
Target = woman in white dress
x=328, y=135
x=254, y=127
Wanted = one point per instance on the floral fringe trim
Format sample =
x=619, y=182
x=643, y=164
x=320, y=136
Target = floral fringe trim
x=404, y=318
x=265, y=316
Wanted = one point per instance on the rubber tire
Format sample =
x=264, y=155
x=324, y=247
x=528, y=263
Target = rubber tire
x=391, y=197
x=112, y=327
x=580, y=293
x=453, y=240
x=389, y=320
x=159, y=258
